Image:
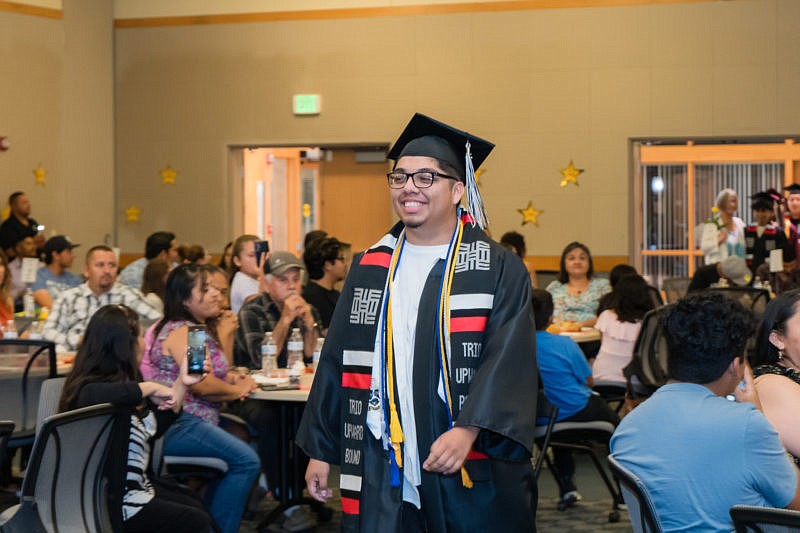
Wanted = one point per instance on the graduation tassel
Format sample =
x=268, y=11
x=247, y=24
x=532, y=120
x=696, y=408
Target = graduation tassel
x=476, y=207
x=465, y=480
x=394, y=472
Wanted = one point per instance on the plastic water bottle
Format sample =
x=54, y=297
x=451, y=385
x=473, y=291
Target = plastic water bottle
x=29, y=303
x=10, y=331
x=269, y=354
x=318, y=351
x=294, y=358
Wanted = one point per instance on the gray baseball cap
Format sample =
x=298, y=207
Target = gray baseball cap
x=280, y=262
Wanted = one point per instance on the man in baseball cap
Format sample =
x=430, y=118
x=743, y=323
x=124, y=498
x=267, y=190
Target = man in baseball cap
x=733, y=268
x=54, y=276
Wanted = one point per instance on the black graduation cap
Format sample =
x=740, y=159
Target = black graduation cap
x=424, y=136
x=792, y=189
x=427, y=137
x=762, y=200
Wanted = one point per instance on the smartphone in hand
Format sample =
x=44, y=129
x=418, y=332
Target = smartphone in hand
x=196, y=349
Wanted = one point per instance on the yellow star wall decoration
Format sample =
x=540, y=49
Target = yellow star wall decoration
x=168, y=175
x=39, y=174
x=570, y=174
x=132, y=214
x=530, y=214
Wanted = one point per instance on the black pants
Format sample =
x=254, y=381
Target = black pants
x=563, y=463
x=173, y=510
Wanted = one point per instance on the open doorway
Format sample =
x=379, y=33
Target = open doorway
x=285, y=192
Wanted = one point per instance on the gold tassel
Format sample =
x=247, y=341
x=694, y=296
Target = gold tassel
x=396, y=434
x=465, y=480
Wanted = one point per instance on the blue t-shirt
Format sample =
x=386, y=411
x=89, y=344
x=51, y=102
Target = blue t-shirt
x=45, y=279
x=564, y=370
x=699, y=454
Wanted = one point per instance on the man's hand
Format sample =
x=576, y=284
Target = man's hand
x=227, y=322
x=295, y=306
x=317, y=480
x=450, y=450
x=748, y=393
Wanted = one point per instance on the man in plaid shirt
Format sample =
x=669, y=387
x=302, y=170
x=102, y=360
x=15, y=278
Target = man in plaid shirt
x=74, y=307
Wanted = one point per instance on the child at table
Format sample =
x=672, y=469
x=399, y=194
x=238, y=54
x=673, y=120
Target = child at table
x=566, y=378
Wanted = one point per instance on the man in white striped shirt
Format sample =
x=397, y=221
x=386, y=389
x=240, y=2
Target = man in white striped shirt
x=74, y=307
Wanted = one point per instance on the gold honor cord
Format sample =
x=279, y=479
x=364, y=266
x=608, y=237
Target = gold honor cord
x=444, y=320
x=395, y=428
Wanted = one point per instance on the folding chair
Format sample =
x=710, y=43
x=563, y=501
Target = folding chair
x=32, y=350
x=754, y=299
x=580, y=437
x=65, y=485
x=655, y=296
x=640, y=508
x=542, y=434
x=675, y=288
x=747, y=519
x=647, y=370
x=546, y=277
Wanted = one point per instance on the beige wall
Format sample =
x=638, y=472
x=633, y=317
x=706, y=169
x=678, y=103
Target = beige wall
x=56, y=107
x=546, y=85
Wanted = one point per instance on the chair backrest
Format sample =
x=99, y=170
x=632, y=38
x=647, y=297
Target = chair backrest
x=65, y=481
x=31, y=351
x=549, y=412
x=649, y=359
x=546, y=277
x=748, y=519
x=655, y=296
x=6, y=429
x=754, y=299
x=675, y=288
x=49, y=395
x=640, y=508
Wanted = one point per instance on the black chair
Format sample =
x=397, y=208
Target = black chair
x=547, y=410
x=655, y=296
x=612, y=393
x=65, y=485
x=546, y=277
x=647, y=370
x=35, y=352
x=754, y=299
x=582, y=437
x=748, y=519
x=640, y=508
x=675, y=288
x=6, y=429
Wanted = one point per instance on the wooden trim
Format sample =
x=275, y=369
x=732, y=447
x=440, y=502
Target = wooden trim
x=672, y=253
x=26, y=9
x=393, y=11
x=719, y=153
x=602, y=263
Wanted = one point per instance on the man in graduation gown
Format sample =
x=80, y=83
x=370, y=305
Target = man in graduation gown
x=425, y=393
x=763, y=236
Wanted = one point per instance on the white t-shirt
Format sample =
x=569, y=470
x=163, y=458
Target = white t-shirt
x=415, y=265
x=242, y=287
x=616, y=348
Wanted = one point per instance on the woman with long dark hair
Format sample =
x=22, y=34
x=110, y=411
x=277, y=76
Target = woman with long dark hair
x=776, y=368
x=106, y=370
x=620, y=324
x=576, y=293
x=190, y=299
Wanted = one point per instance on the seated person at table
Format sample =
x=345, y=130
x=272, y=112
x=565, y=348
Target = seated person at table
x=154, y=280
x=54, y=277
x=567, y=378
x=733, y=269
x=247, y=271
x=776, y=367
x=278, y=311
x=190, y=299
x=576, y=293
x=160, y=244
x=19, y=225
x=74, y=307
x=620, y=324
x=514, y=241
x=106, y=370
x=326, y=267
x=616, y=274
x=698, y=453
x=25, y=248
x=6, y=302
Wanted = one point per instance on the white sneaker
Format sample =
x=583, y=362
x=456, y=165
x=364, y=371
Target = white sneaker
x=570, y=498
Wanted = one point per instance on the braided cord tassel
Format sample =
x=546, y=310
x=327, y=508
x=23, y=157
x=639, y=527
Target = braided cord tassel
x=473, y=194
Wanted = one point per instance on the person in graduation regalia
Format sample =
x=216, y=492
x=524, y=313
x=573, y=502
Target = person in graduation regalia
x=425, y=393
x=791, y=222
x=763, y=236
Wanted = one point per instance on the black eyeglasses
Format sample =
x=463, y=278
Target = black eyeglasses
x=421, y=179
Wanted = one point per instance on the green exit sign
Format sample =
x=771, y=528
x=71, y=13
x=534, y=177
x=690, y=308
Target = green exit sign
x=306, y=104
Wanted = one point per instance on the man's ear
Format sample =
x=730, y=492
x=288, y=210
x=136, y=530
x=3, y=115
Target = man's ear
x=457, y=192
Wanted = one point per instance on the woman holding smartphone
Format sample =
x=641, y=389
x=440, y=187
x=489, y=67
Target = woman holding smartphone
x=106, y=370
x=191, y=300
